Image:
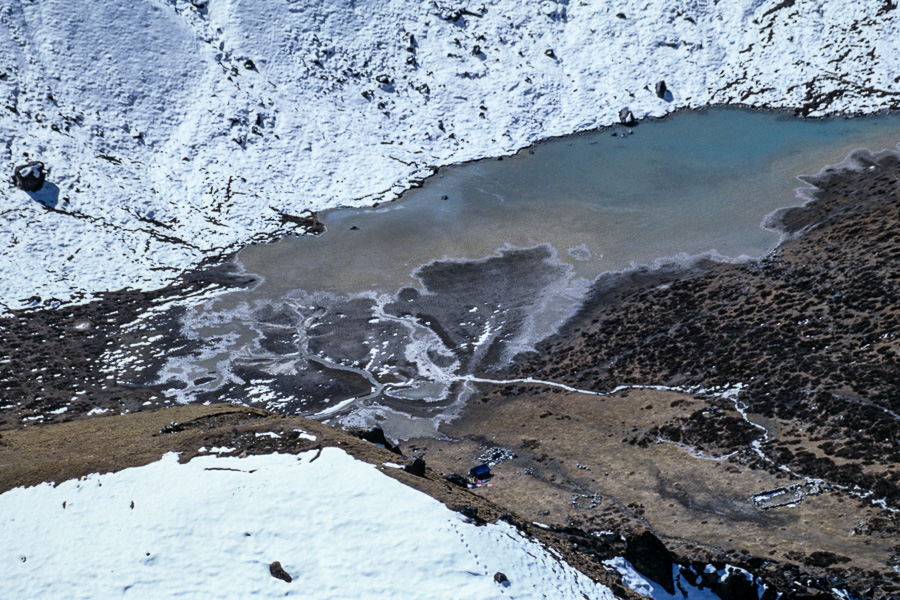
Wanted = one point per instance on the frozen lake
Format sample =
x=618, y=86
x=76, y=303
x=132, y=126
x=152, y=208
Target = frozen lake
x=693, y=183
x=391, y=314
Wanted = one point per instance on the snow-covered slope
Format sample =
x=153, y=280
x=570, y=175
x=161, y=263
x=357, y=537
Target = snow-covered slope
x=176, y=132
x=212, y=527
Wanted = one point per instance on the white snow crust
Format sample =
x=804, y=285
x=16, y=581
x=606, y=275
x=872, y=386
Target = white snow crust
x=210, y=529
x=685, y=590
x=165, y=145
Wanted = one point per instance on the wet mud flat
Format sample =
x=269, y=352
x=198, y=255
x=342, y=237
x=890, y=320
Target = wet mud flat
x=780, y=452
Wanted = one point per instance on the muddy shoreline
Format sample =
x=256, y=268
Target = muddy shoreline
x=54, y=357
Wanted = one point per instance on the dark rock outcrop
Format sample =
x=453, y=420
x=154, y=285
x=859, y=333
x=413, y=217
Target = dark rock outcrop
x=626, y=117
x=376, y=436
x=650, y=557
x=457, y=479
x=736, y=586
x=416, y=467
x=30, y=177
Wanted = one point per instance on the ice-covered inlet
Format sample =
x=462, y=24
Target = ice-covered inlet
x=174, y=132
x=212, y=527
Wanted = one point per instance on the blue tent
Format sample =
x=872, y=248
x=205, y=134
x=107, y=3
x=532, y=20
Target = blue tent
x=482, y=471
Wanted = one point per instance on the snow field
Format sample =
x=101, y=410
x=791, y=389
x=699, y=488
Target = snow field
x=211, y=527
x=175, y=133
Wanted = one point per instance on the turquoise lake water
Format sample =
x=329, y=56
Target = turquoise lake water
x=692, y=183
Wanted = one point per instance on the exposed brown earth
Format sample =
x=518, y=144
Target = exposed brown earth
x=575, y=465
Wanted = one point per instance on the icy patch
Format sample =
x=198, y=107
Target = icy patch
x=788, y=496
x=580, y=252
x=643, y=586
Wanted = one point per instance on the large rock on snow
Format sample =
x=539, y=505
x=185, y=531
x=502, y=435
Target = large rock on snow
x=30, y=177
x=650, y=557
x=661, y=89
x=278, y=572
x=626, y=117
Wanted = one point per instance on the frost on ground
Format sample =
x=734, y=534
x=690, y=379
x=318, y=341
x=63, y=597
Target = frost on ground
x=174, y=132
x=212, y=528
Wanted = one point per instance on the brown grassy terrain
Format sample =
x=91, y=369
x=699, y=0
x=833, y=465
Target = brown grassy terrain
x=810, y=331
x=577, y=464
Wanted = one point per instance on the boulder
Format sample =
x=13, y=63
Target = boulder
x=416, y=467
x=471, y=514
x=276, y=570
x=626, y=117
x=466, y=511
x=650, y=557
x=376, y=436
x=736, y=586
x=30, y=176
x=661, y=89
x=457, y=479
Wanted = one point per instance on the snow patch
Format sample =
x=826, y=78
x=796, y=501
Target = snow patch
x=338, y=526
